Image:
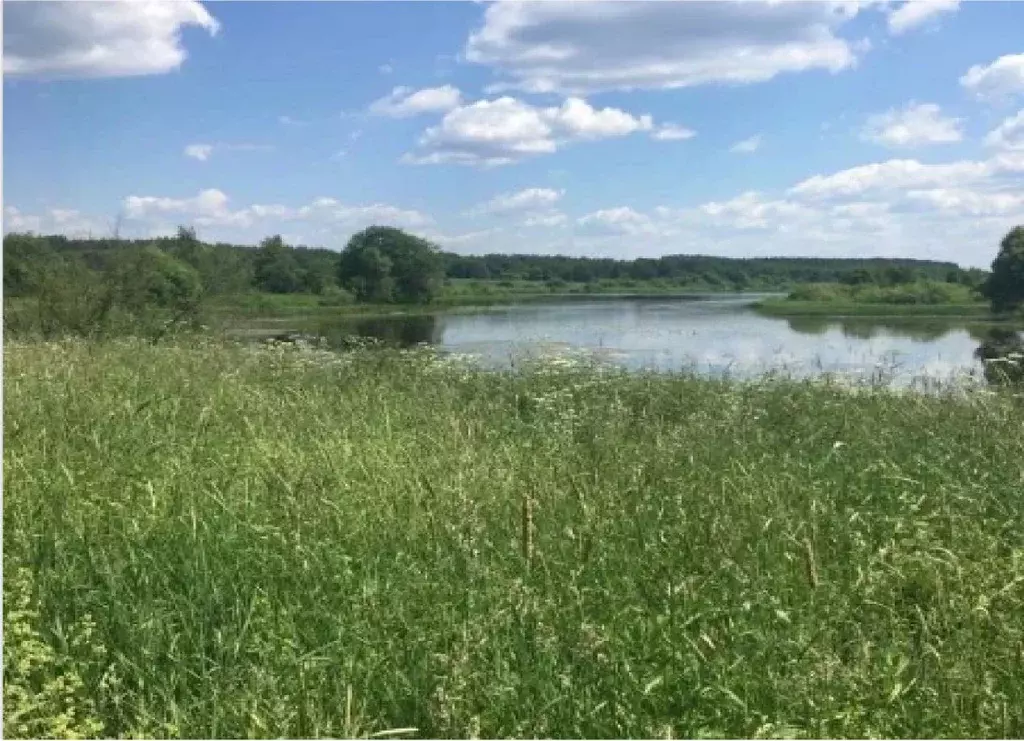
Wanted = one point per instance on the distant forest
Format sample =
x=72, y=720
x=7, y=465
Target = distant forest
x=275, y=267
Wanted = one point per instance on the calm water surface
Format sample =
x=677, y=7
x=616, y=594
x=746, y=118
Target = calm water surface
x=715, y=335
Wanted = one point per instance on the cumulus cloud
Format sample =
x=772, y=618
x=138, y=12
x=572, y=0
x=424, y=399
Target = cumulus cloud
x=16, y=221
x=62, y=40
x=211, y=208
x=200, y=152
x=203, y=152
x=903, y=174
x=957, y=211
x=532, y=207
x=523, y=200
x=67, y=221
x=916, y=13
x=914, y=125
x=747, y=146
x=1009, y=134
x=334, y=211
x=622, y=220
x=967, y=202
x=1003, y=78
x=502, y=131
x=579, y=48
x=549, y=218
x=673, y=132
x=403, y=102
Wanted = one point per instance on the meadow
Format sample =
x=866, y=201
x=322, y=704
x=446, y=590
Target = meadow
x=214, y=540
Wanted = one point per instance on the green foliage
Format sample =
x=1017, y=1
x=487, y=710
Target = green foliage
x=44, y=692
x=385, y=264
x=293, y=543
x=140, y=290
x=919, y=292
x=1002, y=352
x=275, y=267
x=149, y=278
x=71, y=299
x=280, y=268
x=1005, y=285
x=27, y=260
x=703, y=272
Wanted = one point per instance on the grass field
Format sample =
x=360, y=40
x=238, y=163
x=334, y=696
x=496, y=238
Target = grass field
x=214, y=541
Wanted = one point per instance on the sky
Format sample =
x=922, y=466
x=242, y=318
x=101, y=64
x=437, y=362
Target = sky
x=614, y=129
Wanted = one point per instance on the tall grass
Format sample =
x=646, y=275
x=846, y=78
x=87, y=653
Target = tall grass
x=217, y=541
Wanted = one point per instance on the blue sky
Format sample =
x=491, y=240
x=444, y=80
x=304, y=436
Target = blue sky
x=602, y=128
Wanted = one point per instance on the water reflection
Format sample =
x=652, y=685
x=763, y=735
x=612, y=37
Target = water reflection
x=866, y=328
x=1002, y=353
x=396, y=331
x=716, y=336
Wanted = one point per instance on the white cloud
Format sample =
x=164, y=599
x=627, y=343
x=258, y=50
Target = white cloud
x=916, y=13
x=527, y=199
x=499, y=132
x=967, y=202
x=577, y=48
x=67, y=221
x=750, y=210
x=1009, y=134
x=747, y=146
x=673, y=132
x=289, y=121
x=331, y=210
x=402, y=102
x=210, y=208
x=531, y=207
x=915, y=125
x=16, y=221
x=200, y=152
x=622, y=220
x=478, y=239
x=1001, y=79
x=897, y=175
x=203, y=152
x=62, y=40
x=579, y=119
x=546, y=219
x=386, y=69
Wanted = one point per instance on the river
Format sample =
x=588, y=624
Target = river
x=715, y=335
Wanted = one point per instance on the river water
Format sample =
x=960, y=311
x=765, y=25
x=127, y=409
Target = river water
x=716, y=335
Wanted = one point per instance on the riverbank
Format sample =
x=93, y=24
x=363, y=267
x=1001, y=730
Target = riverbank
x=286, y=305
x=784, y=307
x=207, y=540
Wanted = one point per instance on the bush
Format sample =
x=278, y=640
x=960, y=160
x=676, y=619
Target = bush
x=921, y=292
x=334, y=296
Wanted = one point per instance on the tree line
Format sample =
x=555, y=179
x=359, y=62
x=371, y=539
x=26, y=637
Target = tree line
x=383, y=265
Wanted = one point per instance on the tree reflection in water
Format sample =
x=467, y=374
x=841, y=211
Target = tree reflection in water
x=866, y=328
x=394, y=331
x=1002, y=352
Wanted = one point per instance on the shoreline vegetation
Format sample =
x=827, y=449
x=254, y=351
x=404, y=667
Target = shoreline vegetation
x=921, y=299
x=210, y=540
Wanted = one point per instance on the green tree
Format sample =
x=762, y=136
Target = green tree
x=386, y=264
x=146, y=279
x=276, y=269
x=1005, y=285
x=27, y=259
